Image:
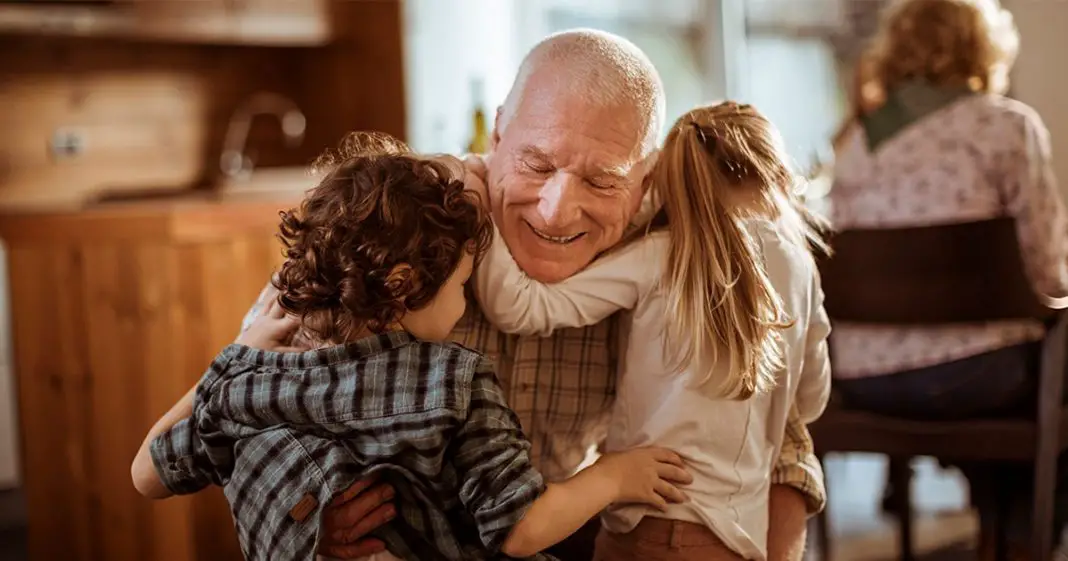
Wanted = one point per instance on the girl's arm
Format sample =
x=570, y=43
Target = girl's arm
x=514, y=510
x=642, y=475
x=516, y=303
x=814, y=385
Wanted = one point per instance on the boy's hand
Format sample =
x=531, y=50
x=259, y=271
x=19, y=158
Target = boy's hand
x=361, y=509
x=646, y=475
x=272, y=330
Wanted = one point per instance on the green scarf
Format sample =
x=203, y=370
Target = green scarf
x=905, y=105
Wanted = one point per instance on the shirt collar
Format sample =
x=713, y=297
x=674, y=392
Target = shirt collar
x=355, y=350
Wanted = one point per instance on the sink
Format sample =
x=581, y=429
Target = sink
x=291, y=181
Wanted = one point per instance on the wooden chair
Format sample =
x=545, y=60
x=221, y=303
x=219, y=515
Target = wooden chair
x=941, y=275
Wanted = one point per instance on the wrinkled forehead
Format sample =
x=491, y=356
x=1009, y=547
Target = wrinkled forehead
x=572, y=131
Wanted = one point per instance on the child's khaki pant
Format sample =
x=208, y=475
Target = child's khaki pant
x=658, y=539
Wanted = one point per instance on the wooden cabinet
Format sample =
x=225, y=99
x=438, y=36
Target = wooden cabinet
x=233, y=22
x=245, y=22
x=116, y=312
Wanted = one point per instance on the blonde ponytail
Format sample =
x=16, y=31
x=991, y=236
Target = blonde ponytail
x=720, y=166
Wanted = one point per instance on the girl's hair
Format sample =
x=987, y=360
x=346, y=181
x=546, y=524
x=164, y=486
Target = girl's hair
x=721, y=165
x=959, y=43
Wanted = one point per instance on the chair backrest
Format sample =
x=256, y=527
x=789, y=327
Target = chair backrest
x=956, y=273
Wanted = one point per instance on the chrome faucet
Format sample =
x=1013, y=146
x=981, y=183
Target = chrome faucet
x=235, y=162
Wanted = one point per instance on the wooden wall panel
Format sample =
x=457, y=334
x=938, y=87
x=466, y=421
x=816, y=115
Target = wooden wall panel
x=153, y=115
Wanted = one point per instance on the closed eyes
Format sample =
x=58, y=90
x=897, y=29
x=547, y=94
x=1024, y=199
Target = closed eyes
x=538, y=167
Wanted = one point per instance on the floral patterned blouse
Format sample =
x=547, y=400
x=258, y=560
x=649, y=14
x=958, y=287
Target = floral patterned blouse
x=978, y=157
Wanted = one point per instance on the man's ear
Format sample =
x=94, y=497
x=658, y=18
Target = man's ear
x=650, y=160
x=495, y=136
x=645, y=167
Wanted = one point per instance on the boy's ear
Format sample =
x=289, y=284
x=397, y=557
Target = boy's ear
x=400, y=280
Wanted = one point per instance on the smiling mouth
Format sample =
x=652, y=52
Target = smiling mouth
x=562, y=240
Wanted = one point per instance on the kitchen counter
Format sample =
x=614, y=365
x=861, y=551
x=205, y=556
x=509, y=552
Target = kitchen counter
x=187, y=216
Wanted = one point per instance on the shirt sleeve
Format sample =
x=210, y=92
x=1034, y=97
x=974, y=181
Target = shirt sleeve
x=1034, y=200
x=798, y=466
x=515, y=303
x=498, y=482
x=184, y=460
x=814, y=385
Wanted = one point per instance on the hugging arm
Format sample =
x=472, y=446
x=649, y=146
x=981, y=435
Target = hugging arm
x=515, y=511
x=516, y=303
x=173, y=459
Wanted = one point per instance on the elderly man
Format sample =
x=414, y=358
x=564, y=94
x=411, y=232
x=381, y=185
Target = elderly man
x=571, y=145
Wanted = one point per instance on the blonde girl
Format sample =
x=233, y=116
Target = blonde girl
x=726, y=330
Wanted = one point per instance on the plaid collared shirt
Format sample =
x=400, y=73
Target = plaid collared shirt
x=562, y=388
x=285, y=433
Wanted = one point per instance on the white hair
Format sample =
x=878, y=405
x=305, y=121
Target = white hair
x=599, y=68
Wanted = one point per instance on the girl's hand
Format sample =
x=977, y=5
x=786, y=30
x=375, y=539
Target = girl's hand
x=272, y=330
x=646, y=475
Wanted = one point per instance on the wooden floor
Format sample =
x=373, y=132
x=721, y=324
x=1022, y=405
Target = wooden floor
x=944, y=528
x=12, y=527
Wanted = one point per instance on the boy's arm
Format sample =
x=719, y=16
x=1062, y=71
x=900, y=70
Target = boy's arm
x=515, y=303
x=173, y=459
x=143, y=471
x=515, y=511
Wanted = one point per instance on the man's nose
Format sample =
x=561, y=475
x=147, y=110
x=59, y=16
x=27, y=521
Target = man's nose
x=558, y=204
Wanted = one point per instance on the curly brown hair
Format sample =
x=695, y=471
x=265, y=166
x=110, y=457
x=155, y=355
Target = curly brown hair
x=958, y=43
x=378, y=236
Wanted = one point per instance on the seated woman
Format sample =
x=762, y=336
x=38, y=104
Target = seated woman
x=946, y=147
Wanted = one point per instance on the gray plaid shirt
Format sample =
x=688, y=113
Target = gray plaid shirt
x=284, y=433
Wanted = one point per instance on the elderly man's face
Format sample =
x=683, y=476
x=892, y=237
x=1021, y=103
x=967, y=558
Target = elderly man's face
x=565, y=180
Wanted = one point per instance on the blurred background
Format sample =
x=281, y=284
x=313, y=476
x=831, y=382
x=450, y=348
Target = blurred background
x=145, y=146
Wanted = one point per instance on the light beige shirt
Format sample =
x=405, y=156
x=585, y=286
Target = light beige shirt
x=730, y=447
x=981, y=157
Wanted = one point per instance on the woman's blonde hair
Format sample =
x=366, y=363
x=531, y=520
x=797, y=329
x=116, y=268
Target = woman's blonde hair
x=958, y=43
x=721, y=165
